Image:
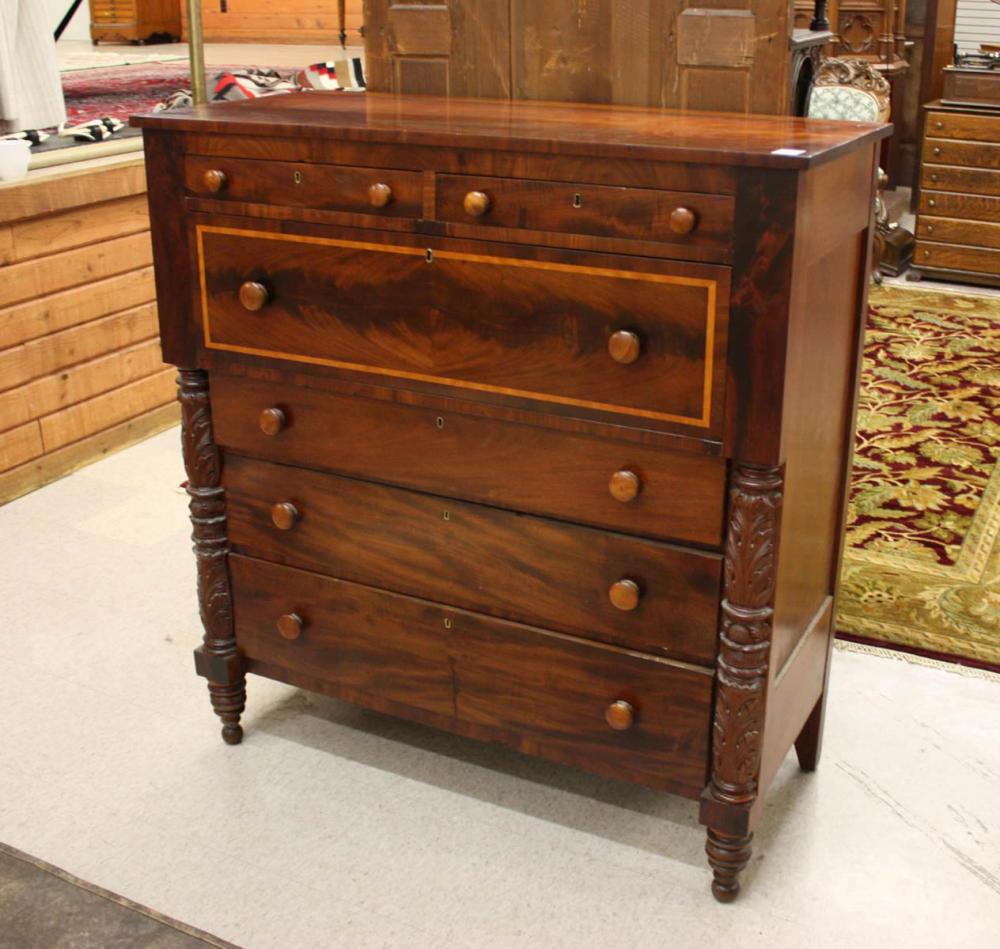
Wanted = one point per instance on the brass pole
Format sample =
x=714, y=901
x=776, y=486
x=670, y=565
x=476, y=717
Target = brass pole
x=196, y=52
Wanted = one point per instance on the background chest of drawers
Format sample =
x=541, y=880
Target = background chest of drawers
x=133, y=21
x=958, y=215
x=526, y=421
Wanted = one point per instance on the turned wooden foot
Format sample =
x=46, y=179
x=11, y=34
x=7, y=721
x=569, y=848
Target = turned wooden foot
x=809, y=744
x=727, y=856
x=229, y=701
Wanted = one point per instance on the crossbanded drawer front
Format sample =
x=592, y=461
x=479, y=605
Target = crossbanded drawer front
x=675, y=495
x=964, y=180
x=595, y=707
x=642, y=214
x=972, y=128
x=970, y=154
x=377, y=191
x=566, y=333
x=950, y=231
x=956, y=257
x=972, y=207
x=611, y=587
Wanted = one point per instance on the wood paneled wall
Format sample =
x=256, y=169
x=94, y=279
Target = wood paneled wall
x=729, y=55
x=276, y=21
x=80, y=367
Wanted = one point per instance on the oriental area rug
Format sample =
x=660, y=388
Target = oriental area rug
x=921, y=565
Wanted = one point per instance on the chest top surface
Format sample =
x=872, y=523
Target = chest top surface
x=763, y=141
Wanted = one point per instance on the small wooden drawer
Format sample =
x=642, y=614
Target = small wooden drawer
x=596, y=707
x=639, y=593
x=556, y=330
x=379, y=191
x=964, y=180
x=972, y=207
x=969, y=154
x=950, y=231
x=962, y=126
x=952, y=257
x=632, y=213
x=677, y=495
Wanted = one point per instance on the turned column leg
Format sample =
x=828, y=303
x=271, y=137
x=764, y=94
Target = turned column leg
x=749, y=570
x=218, y=659
x=727, y=856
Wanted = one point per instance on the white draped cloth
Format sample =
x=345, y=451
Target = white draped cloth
x=30, y=88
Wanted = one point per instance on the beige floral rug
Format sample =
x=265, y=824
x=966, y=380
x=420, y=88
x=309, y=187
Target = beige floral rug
x=922, y=559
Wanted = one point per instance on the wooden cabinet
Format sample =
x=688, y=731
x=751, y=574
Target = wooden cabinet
x=958, y=213
x=732, y=57
x=526, y=421
x=134, y=21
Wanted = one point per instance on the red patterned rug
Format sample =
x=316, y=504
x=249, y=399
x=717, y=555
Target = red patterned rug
x=121, y=91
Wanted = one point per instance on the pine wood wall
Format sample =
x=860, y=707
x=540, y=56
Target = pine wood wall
x=276, y=21
x=80, y=367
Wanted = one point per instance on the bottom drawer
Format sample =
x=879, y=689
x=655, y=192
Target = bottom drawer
x=600, y=708
x=950, y=257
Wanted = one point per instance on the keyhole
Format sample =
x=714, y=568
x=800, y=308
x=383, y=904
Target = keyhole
x=439, y=421
x=446, y=515
x=577, y=200
x=447, y=623
x=297, y=177
x=430, y=256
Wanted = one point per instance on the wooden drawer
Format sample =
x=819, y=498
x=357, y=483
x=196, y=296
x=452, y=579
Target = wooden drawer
x=965, y=180
x=971, y=154
x=971, y=207
x=540, y=692
x=547, y=573
x=641, y=214
x=951, y=257
x=565, y=331
x=949, y=231
x=973, y=128
x=680, y=495
x=306, y=185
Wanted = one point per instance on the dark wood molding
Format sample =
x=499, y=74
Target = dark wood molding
x=218, y=658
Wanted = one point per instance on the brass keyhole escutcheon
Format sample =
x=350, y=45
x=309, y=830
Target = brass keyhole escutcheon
x=430, y=256
x=446, y=515
x=439, y=421
x=578, y=200
x=297, y=177
x=447, y=623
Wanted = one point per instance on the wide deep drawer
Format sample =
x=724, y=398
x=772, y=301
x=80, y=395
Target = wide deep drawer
x=380, y=191
x=950, y=231
x=674, y=495
x=540, y=692
x=971, y=154
x=965, y=180
x=973, y=128
x=972, y=207
x=567, y=332
x=954, y=257
x=640, y=214
x=597, y=584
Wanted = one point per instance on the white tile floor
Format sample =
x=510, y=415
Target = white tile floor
x=334, y=827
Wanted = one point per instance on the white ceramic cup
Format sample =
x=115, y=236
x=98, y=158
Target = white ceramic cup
x=15, y=154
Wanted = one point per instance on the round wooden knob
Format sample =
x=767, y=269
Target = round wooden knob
x=682, y=220
x=624, y=595
x=379, y=195
x=290, y=627
x=272, y=421
x=624, y=347
x=254, y=295
x=284, y=514
x=477, y=203
x=934, y=177
x=214, y=180
x=624, y=486
x=619, y=715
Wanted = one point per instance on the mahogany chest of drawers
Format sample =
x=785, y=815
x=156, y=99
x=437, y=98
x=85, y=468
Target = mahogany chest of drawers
x=528, y=421
x=958, y=214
